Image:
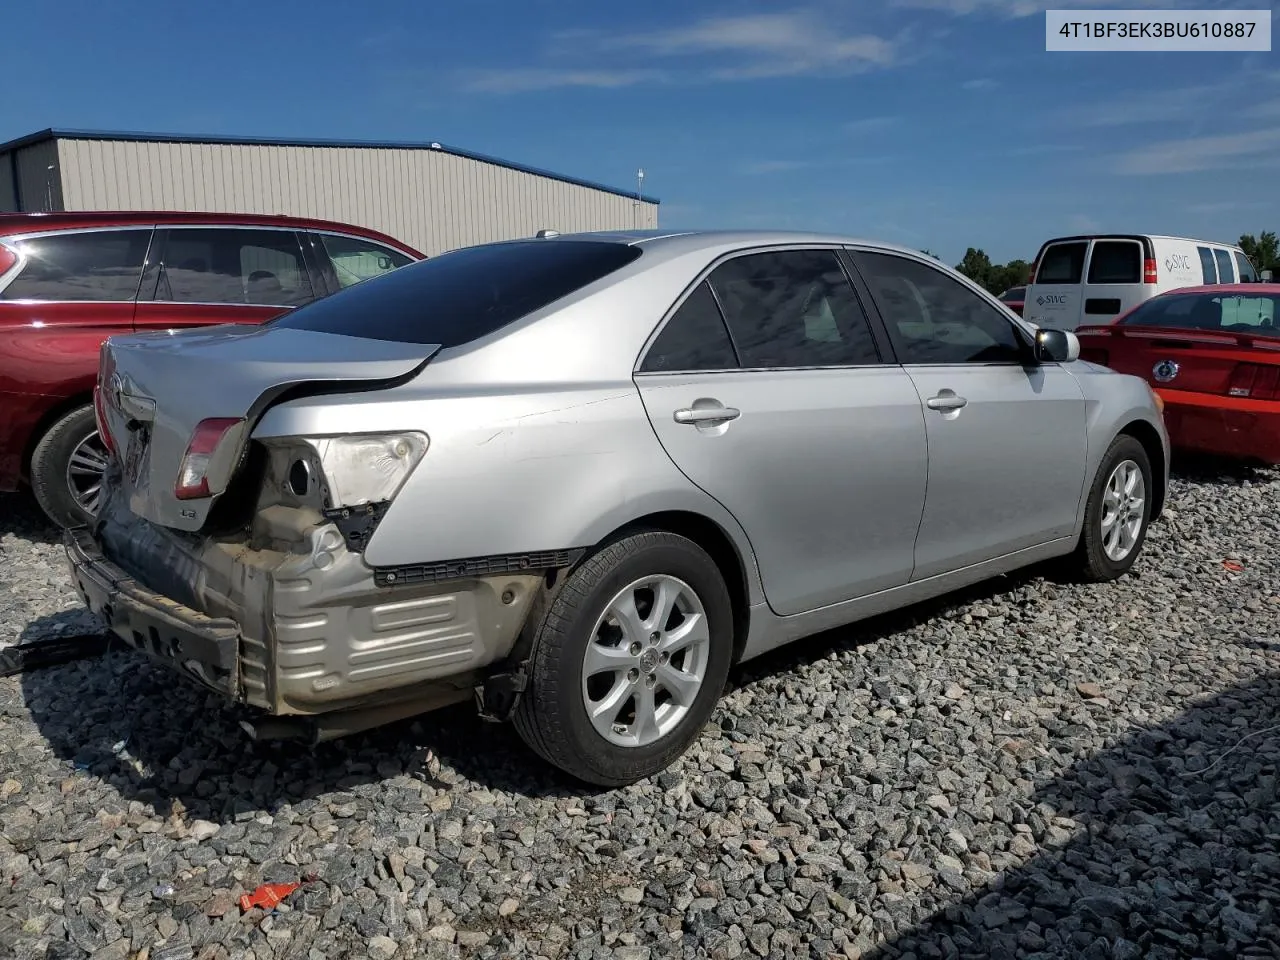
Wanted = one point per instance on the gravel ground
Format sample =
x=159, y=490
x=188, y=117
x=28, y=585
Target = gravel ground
x=1030, y=769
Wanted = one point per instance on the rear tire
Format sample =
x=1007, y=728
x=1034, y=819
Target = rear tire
x=1117, y=514
x=62, y=477
x=605, y=648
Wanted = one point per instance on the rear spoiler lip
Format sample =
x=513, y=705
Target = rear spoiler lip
x=1210, y=337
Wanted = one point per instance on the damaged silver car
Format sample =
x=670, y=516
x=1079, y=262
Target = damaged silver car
x=576, y=478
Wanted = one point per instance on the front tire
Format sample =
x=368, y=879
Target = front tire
x=1117, y=513
x=66, y=469
x=629, y=660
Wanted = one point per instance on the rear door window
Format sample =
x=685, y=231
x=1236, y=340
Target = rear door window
x=97, y=265
x=355, y=260
x=1115, y=261
x=462, y=295
x=234, y=265
x=1208, y=266
x=793, y=308
x=1247, y=273
x=1062, y=263
x=1226, y=272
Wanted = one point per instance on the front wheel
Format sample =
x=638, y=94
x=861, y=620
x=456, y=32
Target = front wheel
x=629, y=660
x=1117, y=513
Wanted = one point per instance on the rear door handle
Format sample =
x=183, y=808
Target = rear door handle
x=706, y=414
x=946, y=401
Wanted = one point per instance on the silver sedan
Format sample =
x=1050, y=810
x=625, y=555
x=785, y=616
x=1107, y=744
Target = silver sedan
x=576, y=478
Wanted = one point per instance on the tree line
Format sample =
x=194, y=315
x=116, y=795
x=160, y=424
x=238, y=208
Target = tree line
x=1263, y=250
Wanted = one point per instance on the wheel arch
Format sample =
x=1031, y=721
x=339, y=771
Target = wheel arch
x=718, y=544
x=50, y=417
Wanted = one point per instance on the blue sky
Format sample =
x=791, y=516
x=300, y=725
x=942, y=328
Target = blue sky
x=935, y=123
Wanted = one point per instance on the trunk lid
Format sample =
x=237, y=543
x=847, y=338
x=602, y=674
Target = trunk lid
x=1200, y=361
x=155, y=389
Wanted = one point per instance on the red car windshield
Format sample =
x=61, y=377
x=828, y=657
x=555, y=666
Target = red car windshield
x=1227, y=313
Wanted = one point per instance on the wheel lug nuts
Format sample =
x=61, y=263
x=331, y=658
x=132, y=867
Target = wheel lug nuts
x=655, y=637
x=635, y=648
x=664, y=657
x=650, y=680
x=633, y=674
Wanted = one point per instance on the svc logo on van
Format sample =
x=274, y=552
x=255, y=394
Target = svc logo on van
x=1050, y=298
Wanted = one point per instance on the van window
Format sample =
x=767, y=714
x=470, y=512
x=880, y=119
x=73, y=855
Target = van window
x=1226, y=273
x=1062, y=263
x=1247, y=273
x=1207, y=265
x=1115, y=261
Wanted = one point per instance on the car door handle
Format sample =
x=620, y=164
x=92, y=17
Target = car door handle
x=706, y=414
x=946, y=401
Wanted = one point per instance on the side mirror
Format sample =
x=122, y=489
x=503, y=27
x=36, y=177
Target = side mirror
x=1056, y=346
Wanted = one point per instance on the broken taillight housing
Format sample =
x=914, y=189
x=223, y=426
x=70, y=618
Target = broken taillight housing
x=193, y=473
x=367, y=468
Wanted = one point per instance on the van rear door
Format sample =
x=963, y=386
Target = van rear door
x=1114, y=279
x=1053, y=298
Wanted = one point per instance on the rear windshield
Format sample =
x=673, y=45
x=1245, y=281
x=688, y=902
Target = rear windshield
x=1208, y=311
x=1062, y=263
x=462, y=296
x=1115, y=261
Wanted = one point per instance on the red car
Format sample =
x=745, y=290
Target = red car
x=1014, y=298
x=70, y=280
x=1213, y=355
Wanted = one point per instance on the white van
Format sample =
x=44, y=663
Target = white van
x=1087, y=280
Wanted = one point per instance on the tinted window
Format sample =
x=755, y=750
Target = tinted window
x=461, y=296
x=793, y=308
x=1247, y=273
x=1014, y=293
x=933, y=317
x=694, y=338
x=355, y=260
x=1226, y=272
x=234, y=265
x=1115, y=261
x=1062, y=263
x=100, y=265
x=1207, y=312
x=1207, y=266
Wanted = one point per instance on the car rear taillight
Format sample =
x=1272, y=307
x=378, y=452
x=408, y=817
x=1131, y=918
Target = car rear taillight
x=1255, y=381
x=1148, y=270
x=100, y=416
x=193, y=478
x=7, y=259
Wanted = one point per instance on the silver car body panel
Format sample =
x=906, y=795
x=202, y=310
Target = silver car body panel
x=842, y=493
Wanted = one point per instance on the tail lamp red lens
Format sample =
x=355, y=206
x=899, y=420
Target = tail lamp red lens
x=1255, y=381
x=100, y=417
x=193, y=474
x=1148, y=270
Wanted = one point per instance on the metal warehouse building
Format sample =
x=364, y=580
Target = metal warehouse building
x=431, y=196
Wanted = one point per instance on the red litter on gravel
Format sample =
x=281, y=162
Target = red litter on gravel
x=1235, y=566
x=268, y=896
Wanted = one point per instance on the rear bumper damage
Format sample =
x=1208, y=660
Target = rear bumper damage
x=293, y=622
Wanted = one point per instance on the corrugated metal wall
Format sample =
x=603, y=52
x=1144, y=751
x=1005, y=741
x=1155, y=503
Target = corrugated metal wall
x=432, y=200
x=39, y=188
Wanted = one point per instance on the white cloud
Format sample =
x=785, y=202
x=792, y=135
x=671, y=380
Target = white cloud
x=1194, y=154
x=768, y=45
x=546, y=78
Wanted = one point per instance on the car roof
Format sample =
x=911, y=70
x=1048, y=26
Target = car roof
x=14, y=223
x=1237, y=288
x=1137, y=236
x=676, y=242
